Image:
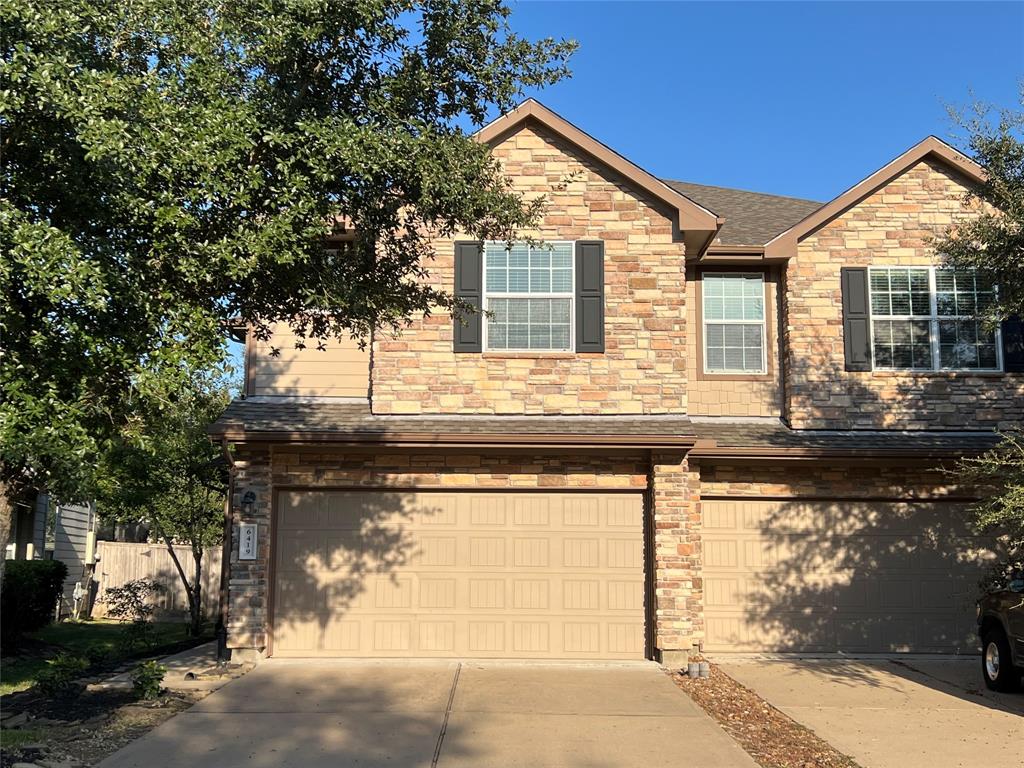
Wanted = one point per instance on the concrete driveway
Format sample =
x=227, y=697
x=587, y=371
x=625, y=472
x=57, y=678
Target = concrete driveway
x=445, y=714
x=895, y=713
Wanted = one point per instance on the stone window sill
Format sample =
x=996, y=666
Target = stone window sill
x=529, y=355
x=939, y=374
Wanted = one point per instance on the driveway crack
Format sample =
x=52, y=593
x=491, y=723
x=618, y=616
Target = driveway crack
x=447, y=712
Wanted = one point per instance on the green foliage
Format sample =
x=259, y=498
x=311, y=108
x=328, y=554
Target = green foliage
x=170, y=475
x=147, y=680
x=993, y=243
x=171, y=166
x=998, y=475
x=130, y=601
x=29, y=596
x=97, y=655
x=59, y=678
x=137, y=635
x=130, y=604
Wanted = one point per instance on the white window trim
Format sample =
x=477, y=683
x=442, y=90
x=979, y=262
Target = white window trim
x=933, y=329
x=571, y=295
x=764, y=325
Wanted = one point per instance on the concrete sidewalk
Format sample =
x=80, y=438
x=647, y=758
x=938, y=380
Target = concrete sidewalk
x=199, y=660
x=473, y=714
x=901, y=713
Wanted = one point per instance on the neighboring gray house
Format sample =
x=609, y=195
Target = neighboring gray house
x=27, y=540
x=70, y=537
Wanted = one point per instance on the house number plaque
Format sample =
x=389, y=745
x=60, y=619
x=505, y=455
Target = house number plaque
x=247, y=541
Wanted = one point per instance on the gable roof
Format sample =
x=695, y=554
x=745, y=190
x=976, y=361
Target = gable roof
x=751, y=218
x=698, y=224
x=784, y=244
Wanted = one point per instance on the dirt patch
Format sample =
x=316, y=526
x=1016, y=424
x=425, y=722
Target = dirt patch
x=85, y=729
x=773, y=739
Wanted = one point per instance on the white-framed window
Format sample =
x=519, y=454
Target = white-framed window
x=734, y=322
x=529, y=291
x=925, y=319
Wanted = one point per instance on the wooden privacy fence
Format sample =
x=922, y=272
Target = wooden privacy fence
x=119, y=563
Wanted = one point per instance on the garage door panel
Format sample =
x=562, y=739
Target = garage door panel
x=504, y=575
x=884, y=577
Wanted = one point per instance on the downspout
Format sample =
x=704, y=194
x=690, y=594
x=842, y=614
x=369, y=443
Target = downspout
x=225, y=561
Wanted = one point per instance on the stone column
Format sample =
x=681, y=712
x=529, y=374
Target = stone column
x=678, y=584
x=249, y=580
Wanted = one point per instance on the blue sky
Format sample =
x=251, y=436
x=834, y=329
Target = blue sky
x=799, y=98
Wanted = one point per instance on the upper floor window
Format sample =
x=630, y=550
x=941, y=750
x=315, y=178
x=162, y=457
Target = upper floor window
x=529, y=292
x=925, y=318
x=734, y=323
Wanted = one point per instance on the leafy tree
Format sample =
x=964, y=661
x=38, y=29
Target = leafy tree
x=993, y=242
x=166, y=472
x=999, y=475
x=168, y=165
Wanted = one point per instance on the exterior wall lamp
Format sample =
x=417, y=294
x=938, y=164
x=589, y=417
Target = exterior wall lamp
x=248, y=503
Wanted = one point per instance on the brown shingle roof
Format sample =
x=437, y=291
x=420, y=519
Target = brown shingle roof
x=736, y=437
x=751, y=218
x=324, y=420
x=287, y=420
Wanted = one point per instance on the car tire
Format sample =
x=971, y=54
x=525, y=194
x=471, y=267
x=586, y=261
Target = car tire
x=997, y=664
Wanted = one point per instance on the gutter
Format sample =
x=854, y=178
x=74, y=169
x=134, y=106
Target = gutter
x=819, y=454
x=458, y=440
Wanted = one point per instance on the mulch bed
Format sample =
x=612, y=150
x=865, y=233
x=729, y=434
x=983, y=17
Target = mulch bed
x=84, y=729
x=773, y=739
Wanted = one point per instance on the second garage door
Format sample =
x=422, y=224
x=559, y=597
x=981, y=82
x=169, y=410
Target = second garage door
x=502, y=575
x=851, y=576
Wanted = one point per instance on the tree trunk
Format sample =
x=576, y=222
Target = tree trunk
x=13, y=489
x=192, y=608
x=195, y=603
x=6, y=518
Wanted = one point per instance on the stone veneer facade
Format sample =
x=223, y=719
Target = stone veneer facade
x=893, y=226
x=646, y=369
x=643, y=367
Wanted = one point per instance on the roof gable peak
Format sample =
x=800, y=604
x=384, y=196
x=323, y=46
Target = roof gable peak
x=784, y=244
x=698, y=224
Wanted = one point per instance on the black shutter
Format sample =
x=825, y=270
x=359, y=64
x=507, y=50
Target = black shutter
x=469, y=285
x=1013, y=345
x=590, y=296
x=856, y=318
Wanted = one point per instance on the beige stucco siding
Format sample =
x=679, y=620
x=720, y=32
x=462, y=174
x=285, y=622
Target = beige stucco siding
x=894, y=226
x=643, y=368
x=340, y=369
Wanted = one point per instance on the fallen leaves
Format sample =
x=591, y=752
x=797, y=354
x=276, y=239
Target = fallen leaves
x=773, y=739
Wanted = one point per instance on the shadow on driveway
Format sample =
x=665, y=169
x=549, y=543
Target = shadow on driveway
x=903, y=713
x=392, y=714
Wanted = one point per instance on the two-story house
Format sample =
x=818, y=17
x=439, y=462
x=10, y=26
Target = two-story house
x=691, y=418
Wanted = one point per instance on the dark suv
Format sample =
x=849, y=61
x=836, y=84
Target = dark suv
x=1001, y=628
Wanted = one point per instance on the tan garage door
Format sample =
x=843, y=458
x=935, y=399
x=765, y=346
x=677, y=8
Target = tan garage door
x=506, y=575
x=839, y=576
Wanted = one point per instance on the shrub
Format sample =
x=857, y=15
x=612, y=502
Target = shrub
x=129, y=602
x=147, y=680
x=58, y=679
x=31, y=589
x=137, y=634
x=97, y=655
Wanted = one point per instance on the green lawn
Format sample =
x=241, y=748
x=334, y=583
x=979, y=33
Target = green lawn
x=76, y=638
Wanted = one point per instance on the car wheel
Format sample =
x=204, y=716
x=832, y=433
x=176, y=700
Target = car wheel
x=996, y=663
